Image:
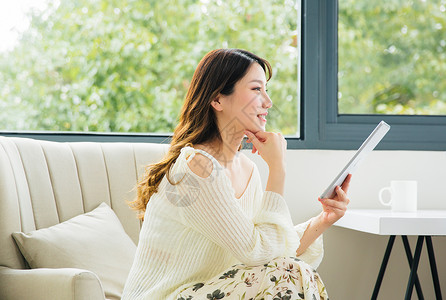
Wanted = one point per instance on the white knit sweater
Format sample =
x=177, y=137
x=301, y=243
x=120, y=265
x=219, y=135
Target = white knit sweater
x=197, y=229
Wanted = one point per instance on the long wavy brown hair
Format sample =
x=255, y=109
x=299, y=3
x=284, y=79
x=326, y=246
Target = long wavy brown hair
x=217, y=73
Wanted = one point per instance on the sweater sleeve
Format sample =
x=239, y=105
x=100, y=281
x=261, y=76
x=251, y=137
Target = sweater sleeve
x=214, y=212
x=315, y=252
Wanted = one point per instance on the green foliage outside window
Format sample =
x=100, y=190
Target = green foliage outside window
x=125, y=66
x=392, y=57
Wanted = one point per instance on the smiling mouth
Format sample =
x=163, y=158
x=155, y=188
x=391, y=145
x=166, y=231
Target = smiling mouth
x=262, y=117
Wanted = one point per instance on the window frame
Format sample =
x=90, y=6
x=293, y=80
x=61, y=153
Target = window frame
x=320, y=125
x=323, y=127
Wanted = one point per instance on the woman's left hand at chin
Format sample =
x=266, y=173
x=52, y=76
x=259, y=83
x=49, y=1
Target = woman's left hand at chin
x=335, y=208
x=254, y=149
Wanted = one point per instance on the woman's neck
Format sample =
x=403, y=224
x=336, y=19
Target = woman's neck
x=226, y=151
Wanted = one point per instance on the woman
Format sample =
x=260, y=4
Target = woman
x=209, y=230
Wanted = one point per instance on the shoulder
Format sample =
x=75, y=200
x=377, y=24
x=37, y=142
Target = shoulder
x=201, y=165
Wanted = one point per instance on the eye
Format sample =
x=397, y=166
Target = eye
x=257, y=89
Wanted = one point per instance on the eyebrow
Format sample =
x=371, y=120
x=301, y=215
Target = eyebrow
x=258, y=81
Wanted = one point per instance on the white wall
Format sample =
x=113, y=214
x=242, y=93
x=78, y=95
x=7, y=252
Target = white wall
x=352, y=259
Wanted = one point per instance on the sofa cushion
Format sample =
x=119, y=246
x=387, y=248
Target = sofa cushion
x=94, y=241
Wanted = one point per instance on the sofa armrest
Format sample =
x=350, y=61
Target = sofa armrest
x=48, y=284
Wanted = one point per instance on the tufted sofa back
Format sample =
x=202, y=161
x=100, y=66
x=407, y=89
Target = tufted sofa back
x=44, y=183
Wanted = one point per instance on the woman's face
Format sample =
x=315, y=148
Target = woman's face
x=247, y=107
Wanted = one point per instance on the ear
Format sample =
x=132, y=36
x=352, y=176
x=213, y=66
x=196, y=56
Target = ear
x=216, y=104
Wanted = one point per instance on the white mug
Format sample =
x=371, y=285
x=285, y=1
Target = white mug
x=403, y=195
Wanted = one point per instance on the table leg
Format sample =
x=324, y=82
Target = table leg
x=410, y=259
x=383, y=267
x=414, y=267
x=430, y=251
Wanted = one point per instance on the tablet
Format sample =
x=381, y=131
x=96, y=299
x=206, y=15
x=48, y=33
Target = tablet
x=369, y=144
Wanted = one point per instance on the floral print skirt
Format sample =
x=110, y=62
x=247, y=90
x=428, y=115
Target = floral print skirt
x=283, y=278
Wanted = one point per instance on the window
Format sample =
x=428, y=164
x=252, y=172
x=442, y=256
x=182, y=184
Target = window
x=391, y=55
x=327, y=125
x=124, y=66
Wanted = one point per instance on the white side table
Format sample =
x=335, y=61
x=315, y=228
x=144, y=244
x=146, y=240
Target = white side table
x=423, y=223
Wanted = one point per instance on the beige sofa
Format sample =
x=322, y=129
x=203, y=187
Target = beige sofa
x=45, y=183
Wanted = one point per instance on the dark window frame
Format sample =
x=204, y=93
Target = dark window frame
x=321, y=125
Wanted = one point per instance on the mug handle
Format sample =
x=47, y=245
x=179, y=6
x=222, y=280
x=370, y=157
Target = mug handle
x=381, y=191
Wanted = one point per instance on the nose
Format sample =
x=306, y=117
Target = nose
x=267, y=102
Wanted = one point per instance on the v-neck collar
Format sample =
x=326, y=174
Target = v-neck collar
x=219, y=166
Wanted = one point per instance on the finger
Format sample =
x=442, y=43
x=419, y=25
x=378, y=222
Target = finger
x=261, y=135
x=254, y=149
x=254, y=140
x=345, y=185
x=341, y=195
x=335, y=210
x=334, y=204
